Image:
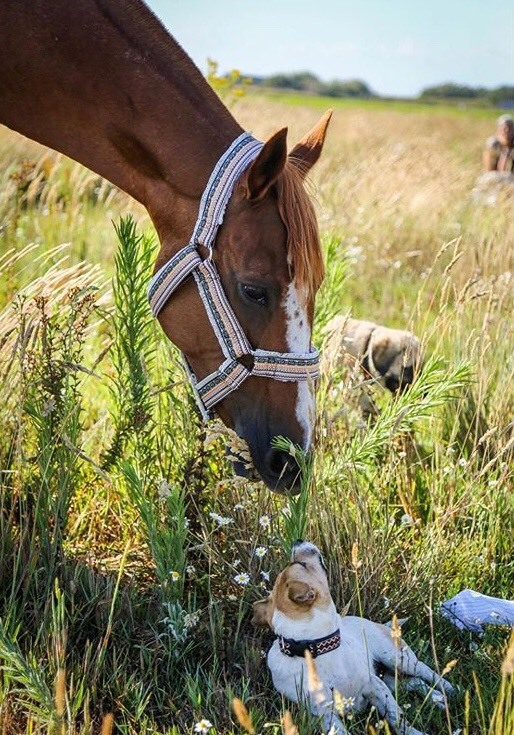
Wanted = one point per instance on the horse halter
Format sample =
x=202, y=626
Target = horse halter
x=284, y=366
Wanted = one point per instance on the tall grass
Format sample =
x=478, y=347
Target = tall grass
x=129, y=553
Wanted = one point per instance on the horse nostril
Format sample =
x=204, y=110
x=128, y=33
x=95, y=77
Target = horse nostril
x=281, y=464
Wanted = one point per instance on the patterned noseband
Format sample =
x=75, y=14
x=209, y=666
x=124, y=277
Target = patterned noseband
x=285, y=366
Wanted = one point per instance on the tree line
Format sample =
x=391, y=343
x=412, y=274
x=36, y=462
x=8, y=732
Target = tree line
x=309, y=83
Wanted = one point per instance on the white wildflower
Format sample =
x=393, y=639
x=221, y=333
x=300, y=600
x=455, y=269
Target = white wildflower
x=264, y=521
x=242, y=578
x=49, y=407
x=190, y=571
x=203, y=726
x=163, y=489
x=239, y=506
x=260, y=551
x=174, y=576
x=191, y=619
x=463, y=462
x=221, y=520
x=265, y=576
x=406, y=520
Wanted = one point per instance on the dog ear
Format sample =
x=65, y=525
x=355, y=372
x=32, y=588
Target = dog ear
x=262, y=613
x=301, y=593
x=384, y=351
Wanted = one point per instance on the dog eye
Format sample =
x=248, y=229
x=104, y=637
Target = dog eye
x=254, y=294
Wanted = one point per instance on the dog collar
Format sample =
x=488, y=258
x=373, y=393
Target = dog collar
x=316, y=647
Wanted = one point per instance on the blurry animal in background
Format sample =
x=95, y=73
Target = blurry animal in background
x=391, y=357
x=499, y=148
x=358, y=662
x=497, y=181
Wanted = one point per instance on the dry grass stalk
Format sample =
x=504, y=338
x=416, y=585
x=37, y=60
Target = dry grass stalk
x=242, y=715
x=107, y=724
x=508, y=661
x=288, y=726
x=60, y=692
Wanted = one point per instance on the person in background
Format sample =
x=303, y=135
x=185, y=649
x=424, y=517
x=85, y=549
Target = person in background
x=499, y=148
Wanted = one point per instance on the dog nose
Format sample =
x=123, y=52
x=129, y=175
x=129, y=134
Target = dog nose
x=282, y=469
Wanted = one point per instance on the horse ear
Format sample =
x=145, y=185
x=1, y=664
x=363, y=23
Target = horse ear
x=268, y=165
x=305, y=153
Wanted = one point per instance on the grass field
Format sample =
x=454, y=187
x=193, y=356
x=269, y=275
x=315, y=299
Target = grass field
x=128, y=559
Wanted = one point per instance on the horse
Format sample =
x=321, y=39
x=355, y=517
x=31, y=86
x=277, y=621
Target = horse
x=103, y=82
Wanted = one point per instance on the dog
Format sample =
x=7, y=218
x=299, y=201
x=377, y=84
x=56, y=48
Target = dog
x=350, y=652
x=392, y=357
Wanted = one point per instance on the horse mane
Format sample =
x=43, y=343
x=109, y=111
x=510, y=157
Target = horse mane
x=304, y=253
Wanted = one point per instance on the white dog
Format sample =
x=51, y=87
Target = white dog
x=350, y=652
x=391, y=356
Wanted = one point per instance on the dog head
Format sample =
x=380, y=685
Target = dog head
x=298, y=589
x=394, y=357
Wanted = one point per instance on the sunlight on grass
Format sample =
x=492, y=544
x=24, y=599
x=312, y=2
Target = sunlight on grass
x=130, y=554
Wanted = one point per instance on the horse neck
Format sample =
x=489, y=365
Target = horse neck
x=102, y=82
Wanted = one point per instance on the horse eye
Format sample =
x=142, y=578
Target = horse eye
x=255, y=294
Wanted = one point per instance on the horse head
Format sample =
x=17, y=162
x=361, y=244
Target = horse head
x=269, y=259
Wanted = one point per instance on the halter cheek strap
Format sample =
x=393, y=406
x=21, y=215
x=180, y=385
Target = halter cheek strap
x=284, y=366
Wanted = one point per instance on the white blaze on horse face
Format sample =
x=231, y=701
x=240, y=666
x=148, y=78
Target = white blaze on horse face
x=298, y=339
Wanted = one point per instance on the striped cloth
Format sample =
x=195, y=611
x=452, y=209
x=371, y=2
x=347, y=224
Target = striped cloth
x=470, y=610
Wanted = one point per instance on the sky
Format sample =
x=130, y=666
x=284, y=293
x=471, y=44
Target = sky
x=397, y=46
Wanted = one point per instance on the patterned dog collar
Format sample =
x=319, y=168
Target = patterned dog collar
x=317, y=647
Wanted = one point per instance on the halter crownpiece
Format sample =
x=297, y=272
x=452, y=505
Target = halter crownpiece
x=284, y=366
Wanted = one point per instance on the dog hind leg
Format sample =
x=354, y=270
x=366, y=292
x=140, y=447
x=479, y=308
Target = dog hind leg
x=414, y=684
x=405, y=661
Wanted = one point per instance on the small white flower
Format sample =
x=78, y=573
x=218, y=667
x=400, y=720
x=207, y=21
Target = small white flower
x=450, y=450
x=203, y=726
x=163, y=489
x=260, y=551
x=239, y=506
x=348, y=703
x=191, y=619
x=49, y=407
x=190, y=571
x=264, y=521
x=493, y=483
x=174, y=576
x=286, y=512
x=221, y=520
x=265, y=576
x=236, y=562
x=463, y=462
x=242, y=578
x=402, y=455
x=406, y=520
x=446, y=470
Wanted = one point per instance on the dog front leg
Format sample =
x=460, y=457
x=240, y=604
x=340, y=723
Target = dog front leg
x=379, y=696
x=322, y=705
